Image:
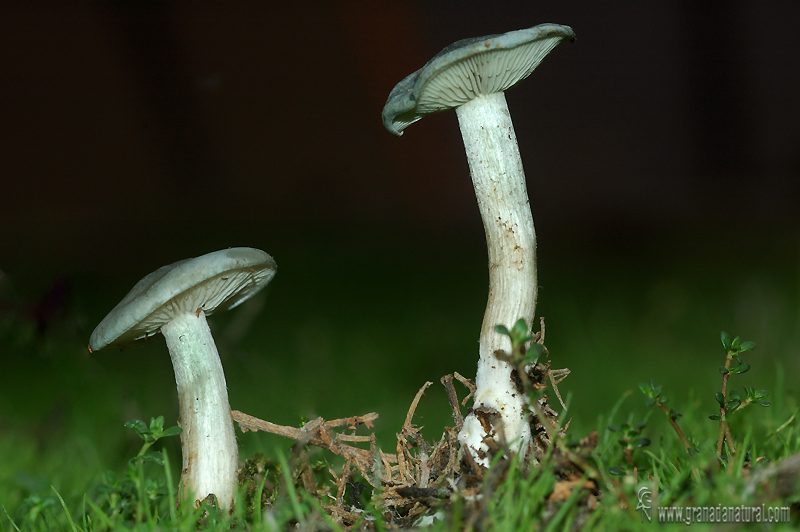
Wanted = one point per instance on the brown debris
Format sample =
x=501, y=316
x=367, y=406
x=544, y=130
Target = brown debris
x=421, y=475
x=318, y=433
x=458, y=417
x=469, y=384
x=563, y=488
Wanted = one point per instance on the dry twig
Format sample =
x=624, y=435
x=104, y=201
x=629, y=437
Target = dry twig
x=317, y=432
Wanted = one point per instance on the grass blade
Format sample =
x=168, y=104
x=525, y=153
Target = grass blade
x=9, y=520
x=72, y=524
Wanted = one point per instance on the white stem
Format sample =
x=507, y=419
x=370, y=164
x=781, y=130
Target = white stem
x=208, y=442
x=499, y=182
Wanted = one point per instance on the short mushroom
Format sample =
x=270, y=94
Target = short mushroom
x=175, y=300
x=471, y=76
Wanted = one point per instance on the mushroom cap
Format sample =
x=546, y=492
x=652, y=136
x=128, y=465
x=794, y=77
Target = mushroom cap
x=213, y=282
x=470, y=68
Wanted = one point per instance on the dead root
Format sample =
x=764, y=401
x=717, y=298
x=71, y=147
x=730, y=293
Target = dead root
x=318, y=433
x=423, y=476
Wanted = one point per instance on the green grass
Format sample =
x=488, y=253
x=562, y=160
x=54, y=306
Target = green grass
x=141, y=498
x=366, y=330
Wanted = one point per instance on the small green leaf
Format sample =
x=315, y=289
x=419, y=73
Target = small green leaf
x=651, y=390
x=735, y=344
x=763, y=402
x=502, y=329
x=675, y=414
x=137, y=425
x=735, y=394
x=726, y=340
x=172, y=431
x=760, y=394
x=714, y=417
x=723, y=370
x=617, y=471
x=733, y=404
x=720, y=398
x=157, y=424
x=744, y=367
x=153, y=458
x=521, y=328
x=141, y=429
x=535, y=351
x=642, y=442
x=747, y=346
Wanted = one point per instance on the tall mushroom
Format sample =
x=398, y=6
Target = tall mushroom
x=175, y=300
x=471, y=76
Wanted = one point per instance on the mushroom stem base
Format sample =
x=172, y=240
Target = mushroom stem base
x=208, y=441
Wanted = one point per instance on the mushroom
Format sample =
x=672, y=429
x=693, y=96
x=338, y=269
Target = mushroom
x=175, y=300
x=471, y=76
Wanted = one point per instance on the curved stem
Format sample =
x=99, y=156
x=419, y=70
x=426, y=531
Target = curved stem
x=208, y=441
x=499, y=181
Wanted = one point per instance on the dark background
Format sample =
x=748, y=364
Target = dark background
x=130, y=127
x=662, y=151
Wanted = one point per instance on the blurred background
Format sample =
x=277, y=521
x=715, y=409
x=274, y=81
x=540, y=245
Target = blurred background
x=663, y=161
